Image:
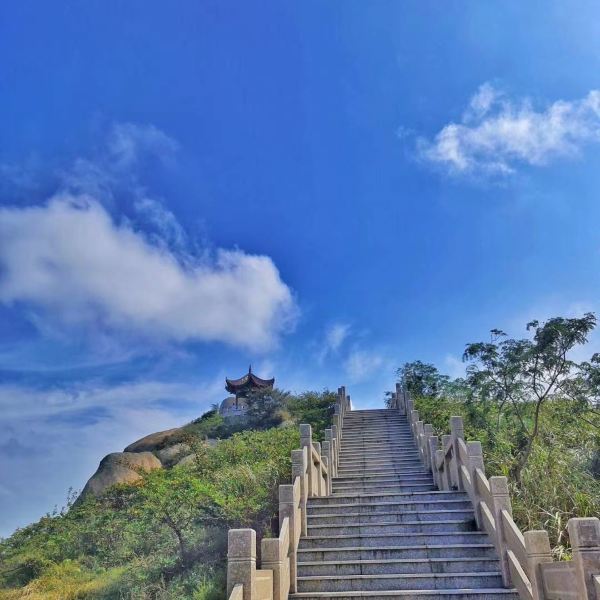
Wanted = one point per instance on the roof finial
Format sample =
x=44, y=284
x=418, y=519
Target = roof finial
x=250, y=369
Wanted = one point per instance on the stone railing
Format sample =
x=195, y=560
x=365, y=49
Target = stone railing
x=313, y=467
x=526, y=558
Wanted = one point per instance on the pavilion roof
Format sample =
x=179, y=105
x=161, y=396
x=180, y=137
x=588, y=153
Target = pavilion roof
x=248, y=382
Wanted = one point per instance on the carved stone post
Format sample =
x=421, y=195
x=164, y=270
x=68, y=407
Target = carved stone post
x=584, y=534
x=446, y=462
x=457, y=431
x=299, y=468
x=337, y=441
x=241, y=561
x=537, y=547
x=433, y=443
x=475, y=462
x=306, y=442
x=321, y=490
x=419, y=440
x=401, y=399
x=414, y=417
x=287, y=508
x=329, y=438
x=442, y=480
x=328, y=461
x=501, y=497
x=427, y=433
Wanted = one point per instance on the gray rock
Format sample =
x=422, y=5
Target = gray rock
x=119, y=467
x=152, y=442
x=172, y=454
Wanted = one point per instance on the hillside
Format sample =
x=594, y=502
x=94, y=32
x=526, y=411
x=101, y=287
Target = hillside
x=164, y=535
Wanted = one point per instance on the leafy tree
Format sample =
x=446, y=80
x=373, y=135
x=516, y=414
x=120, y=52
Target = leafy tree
x=523, y=375
x=422, y=379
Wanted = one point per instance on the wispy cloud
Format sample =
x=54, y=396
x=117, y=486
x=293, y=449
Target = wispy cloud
x=56, y=436
x=70, y=261
x=361, y=364
x=335, y=336
x=497, y=134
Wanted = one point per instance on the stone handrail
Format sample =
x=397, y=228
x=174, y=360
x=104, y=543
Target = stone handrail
x=313, y=467
x=525, y=558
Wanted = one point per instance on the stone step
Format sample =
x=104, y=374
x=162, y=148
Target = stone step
x=377, y=480
x=416, y=472
x=449, y=594
x=383, y=507
x=404, y=566
x=390, y=527
x=414, y=467
x=379, y=436
x=425, y=552
x=375, y=497
x=348, y=518
x=398, y=488
x=377, y=443
x=394, y=539
x=388, y=582
x=371, y=463
x=381, y=452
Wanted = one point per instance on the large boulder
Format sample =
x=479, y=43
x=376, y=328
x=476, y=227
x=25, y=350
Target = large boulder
x=119, y=467
x=171, y=454
x=152, y=442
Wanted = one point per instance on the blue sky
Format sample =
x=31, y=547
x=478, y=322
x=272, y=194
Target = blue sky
x=325, y=190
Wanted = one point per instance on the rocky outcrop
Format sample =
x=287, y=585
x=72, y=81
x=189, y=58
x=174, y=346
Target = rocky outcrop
x=119, y=467
x=152, y=442
x=172, y=454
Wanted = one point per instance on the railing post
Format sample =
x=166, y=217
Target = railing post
x=241, y=561
x=446, y=462
x=433, y=443
x=501, y=498
x=414, y=417
x=328, y=461
x=299, y=468
x=287, y=508
x=306, y=442
x=475, y=462
x=419, y=439
x=321, y=490
x=333, y=463
x=270, y=554
x=457, y=431
x=584, y=534
x=427, y=433
x=401, y=399
x=440, y=474
x=537, y=547
x=336, y=439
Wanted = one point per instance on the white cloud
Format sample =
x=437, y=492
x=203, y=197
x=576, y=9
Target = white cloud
x=127, y=142
x=362, y=364
x=496, y=134
x=70, y=260
x=335, y=336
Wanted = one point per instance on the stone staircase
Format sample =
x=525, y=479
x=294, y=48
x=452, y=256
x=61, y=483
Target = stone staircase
x=386, y=531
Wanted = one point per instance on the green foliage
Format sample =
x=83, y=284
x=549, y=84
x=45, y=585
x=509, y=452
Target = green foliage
x=165, y=537
x=535, y=411
x=145, y=539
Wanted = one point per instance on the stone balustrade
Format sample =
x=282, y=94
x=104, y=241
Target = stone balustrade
x=313, y=467
x=526, y=558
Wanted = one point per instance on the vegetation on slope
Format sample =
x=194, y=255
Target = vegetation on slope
x=165, y=537
x=535, y=410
